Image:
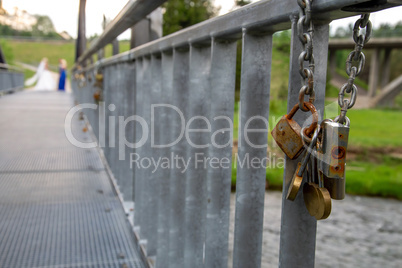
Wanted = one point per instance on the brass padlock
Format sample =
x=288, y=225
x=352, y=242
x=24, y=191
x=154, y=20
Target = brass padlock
x=316, y=197
x=331, y=155
x=297, y=179
x=287, y=132
x=98, y=80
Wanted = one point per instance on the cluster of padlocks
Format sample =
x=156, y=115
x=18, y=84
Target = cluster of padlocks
x=324, y=146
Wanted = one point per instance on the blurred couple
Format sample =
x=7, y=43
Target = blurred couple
x=45, y=80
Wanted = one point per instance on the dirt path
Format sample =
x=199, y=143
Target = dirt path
x=360, y=232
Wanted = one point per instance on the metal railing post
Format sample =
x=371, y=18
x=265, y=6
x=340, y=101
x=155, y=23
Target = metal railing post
x=179, y=99
x=222, y=81
x=298, y=228
x=128, y=104
x=197, y=144
x=138, y=173
x=163, y=118
x=251, y=180
x=151, y=83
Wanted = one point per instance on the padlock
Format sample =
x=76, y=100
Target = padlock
x=297, y=179
x=331, y=155
x=98, y=80
x=316, y=197
x=287, y=132
x=98, y=96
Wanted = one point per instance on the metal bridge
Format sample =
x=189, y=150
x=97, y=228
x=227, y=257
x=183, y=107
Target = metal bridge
x=65, y=206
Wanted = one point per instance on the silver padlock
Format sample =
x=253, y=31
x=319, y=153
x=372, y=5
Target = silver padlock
x=331, y=155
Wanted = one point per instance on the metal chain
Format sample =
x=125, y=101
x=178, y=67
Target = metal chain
x=306, y=38
x=356, y=55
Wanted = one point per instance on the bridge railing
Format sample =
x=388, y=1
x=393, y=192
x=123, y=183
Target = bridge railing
x=187, y=79
x=11, y=79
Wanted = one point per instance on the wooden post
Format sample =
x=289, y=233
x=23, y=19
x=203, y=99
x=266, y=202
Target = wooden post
x=81, y=38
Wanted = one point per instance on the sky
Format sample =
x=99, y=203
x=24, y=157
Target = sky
x=64, y=14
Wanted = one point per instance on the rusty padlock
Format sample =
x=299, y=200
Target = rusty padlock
x=287, y=132
x=98, y=96
x=333, y=143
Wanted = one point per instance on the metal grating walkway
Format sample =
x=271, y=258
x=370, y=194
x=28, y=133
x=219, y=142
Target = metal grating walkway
x=57, y=205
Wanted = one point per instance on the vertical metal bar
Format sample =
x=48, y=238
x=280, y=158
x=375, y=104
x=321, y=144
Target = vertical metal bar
x=151, y=84
x=163, y=119
x=251, y=179
x=81, y=38
x=197, y=144
x=156, y=174
x=138, y=206
x=223, y=76
x=115, y=47
x=298, y=228
x=127, y=102
x=179, y=99
x=121, y=76
x=113, y=121
x=107, y=92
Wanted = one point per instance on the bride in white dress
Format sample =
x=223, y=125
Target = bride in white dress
x=45, y=79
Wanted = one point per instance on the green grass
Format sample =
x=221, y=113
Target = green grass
x=375, y=128
x=385, y=179
x=382, y=179
x=34, y=52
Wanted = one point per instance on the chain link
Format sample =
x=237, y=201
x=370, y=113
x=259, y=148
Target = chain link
x=306, y=38
x=357, y=56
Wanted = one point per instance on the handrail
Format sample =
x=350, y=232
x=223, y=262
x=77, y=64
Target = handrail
x=133, y=12
x=10, y=67
x=268, y=16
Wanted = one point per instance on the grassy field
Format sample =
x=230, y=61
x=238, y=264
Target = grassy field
x=34, y=52
x=370, y=171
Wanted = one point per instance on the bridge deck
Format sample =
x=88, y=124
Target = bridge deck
x=57, y=205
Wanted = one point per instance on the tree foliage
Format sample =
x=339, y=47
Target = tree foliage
x=43, y=28
x=241, y=3
x=180, y=14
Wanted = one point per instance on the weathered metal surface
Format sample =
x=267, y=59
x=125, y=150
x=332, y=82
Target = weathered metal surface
x=251, y=180
x=179, y=99
x=294, y=213
x=332, y=157
x=197, y=146
x=163, y=118
x=11, y=81
x=138, y=173
x=151, y=83
x=222, y=79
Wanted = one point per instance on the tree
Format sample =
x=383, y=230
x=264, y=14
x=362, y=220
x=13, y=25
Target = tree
x=180, y=14
x=44, y=25
x=241, y=3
